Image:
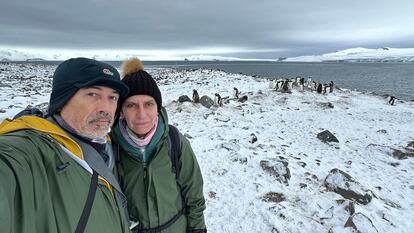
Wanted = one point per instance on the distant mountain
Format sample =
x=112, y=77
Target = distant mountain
x=348, y=55
x=361, y=55
x=220, y=58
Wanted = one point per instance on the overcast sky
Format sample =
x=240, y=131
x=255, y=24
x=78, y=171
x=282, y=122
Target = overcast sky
x=240, y=28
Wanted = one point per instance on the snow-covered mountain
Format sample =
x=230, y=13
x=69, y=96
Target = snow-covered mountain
x=361, y=55
x=265, y=163
x=351, y=55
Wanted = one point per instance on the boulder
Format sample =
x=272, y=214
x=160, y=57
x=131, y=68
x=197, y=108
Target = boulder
x=325, y=105
x=399, y=154
x=361, y=223
x=326, y=136
x=206, y=101
x=184, y=98
x=273, y=197
x=342, y=183
x=277, y=168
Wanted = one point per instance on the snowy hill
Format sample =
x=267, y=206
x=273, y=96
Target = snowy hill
x=264, y=167
x=361, y=55
x=350, y=55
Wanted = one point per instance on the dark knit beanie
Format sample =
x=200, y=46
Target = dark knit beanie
x=139, y=81
x=76, y=73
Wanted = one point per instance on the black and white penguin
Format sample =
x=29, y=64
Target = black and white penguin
x=217, y=100
x=391, y=100
x=319, y=88
x=196, y=97
x=302, y=84
x=324, y=88
x=254, y=138
x=236, y=92
x=285, y=85
x=331, y=86
x=309, y=82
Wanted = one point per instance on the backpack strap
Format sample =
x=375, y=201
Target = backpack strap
x=83, y=220
x=174, y=149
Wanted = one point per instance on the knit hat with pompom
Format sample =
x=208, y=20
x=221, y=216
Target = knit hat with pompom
x=139, y=81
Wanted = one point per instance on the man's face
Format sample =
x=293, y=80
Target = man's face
x=140, y=113
x=90, y=112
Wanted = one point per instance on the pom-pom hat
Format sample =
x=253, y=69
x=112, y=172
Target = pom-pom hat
x=139, y=81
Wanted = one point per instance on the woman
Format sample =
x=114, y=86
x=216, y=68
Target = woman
x=157, y=199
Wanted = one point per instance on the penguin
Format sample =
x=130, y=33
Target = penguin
x=324, y=87
x=254, y=138
x=319, y=88
x=309, y=82
x=285, y=85
x=302, y=81
x=331, y=86
x=236, y=93
x=196, y=97
x=391, y=100
x=217, y=100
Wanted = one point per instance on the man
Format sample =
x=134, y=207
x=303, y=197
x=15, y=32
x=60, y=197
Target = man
x=46, y=165
x=158, y=198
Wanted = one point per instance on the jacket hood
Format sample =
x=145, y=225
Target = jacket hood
x=42, y=125
x=45, y=126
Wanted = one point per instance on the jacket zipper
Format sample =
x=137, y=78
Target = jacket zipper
x=145, y=171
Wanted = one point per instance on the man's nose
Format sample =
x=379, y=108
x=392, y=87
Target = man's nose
x=107, y=106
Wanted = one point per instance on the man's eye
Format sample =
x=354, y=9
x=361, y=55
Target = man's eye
x=114, y=98
x=92, y=94
x=129, y=105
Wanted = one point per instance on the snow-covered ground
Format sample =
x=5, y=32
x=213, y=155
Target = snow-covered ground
x=279, y=182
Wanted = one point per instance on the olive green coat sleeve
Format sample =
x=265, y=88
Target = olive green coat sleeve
x=43, y=190
x=191, y=182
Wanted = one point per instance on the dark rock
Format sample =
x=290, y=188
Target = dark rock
x=302, y=164
x=273, y=197
x=326, y=105
x=326, y=136
x=302, y=185
x=243, y=99
x=382, y=131
x=342, y=183
x=206, y=101
x=360, y=223
x=411, y=144
x=350, y=208
x=184, y=98
x=277, y=168
x=398, y=154
x=212, y=195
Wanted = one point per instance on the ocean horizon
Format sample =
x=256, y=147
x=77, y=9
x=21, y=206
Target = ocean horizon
x=381, y=78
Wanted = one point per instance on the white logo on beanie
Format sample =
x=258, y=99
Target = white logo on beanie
x=108, y=72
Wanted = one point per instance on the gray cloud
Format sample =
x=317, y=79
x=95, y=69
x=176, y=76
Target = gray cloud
x=254, y=29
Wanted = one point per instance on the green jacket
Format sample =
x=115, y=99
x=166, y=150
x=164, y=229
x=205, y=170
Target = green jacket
x=43, y=189
x=152, y=190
